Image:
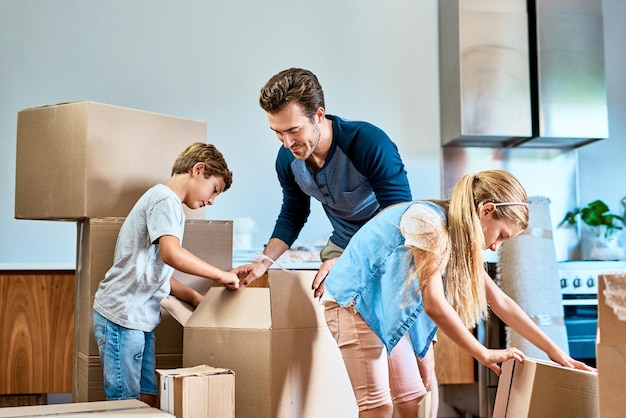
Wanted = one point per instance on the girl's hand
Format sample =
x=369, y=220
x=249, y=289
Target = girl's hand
x=566, y=361
x=493, y=357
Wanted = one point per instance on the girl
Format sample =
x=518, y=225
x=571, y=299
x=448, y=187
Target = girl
x=417, y=267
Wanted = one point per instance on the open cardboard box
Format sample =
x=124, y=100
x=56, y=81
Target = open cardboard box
x=276, y=341
x=540, y=389
x=611, y=345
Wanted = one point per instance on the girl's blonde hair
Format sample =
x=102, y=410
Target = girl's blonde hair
x=465, y=286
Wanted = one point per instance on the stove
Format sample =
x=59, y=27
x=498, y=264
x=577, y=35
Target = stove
x=579, y=280
x=579, y=290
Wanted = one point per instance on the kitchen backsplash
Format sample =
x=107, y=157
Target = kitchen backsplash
x=543, y=172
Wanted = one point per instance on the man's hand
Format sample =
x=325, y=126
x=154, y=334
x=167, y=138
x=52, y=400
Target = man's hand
x=318, y=281
x=250, y=272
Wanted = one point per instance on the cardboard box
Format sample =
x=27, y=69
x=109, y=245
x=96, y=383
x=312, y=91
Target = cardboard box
x=211, y=240
x=201, y=391
x=539, y=389
x=611, y=345
x=94, y=160
x=131, y=407
x=276, y=341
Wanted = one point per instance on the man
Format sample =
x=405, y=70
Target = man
x=352, y=168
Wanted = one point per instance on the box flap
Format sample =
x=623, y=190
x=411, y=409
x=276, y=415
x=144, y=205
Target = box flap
x=293, y=303
x=217, y=251
x=201, y=370
x=179, y=310
x=243, y=308
x=612, y=309
x=504, y=389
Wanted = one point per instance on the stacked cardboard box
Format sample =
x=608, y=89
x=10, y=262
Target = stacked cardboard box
x=90, y=162
x=276, y=341
x=209, y=240
x=539, y=389
x=611, y=345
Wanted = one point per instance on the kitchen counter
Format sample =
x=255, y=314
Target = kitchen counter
x=290, y=260
x=37, y=266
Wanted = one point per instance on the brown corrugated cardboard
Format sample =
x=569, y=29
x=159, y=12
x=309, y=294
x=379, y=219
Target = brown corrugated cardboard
x=93, y=159
x=211, y=240
x=131, y=407
x=88, y=380
x=612, y=300
x=201, y=391
x=276, y=341
x=611, y=345
x=539, y=389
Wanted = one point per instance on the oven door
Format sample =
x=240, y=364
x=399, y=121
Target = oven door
x=581, y=322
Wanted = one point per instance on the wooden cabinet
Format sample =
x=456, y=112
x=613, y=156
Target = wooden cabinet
x=453, y=365
x=37, y=335
x=36, y=331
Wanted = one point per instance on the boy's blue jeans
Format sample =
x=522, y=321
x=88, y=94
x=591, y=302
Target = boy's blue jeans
x=127, y=358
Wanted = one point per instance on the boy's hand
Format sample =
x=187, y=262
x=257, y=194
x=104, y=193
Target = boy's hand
x=229, y=280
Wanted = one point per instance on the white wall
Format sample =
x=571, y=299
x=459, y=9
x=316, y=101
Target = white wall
x=602, y=165
x=377, y=61
x=204, y=60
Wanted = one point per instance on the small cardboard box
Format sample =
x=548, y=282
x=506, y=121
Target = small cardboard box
x=211, y=240
x=201, y=391
x=131, y=407
x=276, y=341
x=539, y=389
x=93, y=160
x=611, y=345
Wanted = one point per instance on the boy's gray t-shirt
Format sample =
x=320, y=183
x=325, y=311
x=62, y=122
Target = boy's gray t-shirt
x=132, y=289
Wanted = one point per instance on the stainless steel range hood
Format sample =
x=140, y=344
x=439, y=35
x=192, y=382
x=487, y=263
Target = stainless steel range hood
x=522, y=74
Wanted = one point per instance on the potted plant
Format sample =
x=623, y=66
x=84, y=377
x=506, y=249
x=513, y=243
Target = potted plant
x=603, y=225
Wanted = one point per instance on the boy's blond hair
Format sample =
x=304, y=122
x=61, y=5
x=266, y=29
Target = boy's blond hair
x=214, y=162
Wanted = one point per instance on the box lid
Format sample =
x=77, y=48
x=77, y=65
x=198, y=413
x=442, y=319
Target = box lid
x=287, y=304
x=612, y=309
x=201, y=370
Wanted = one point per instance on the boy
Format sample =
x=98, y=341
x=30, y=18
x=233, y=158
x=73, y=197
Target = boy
x=148, y=250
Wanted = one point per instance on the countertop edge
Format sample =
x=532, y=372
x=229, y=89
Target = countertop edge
x=37, y=266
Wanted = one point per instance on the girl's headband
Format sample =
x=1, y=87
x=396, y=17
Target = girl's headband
x=510, y=203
